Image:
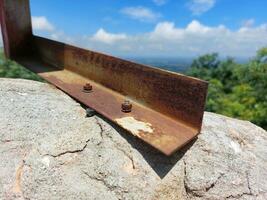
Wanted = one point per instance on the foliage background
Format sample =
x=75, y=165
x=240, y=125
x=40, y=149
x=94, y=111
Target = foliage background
x=10, y=69
x=235, y=90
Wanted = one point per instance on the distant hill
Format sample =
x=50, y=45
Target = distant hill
x=171, y=64
x=180, y=65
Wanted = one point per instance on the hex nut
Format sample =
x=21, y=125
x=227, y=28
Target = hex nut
x=87, y=88
x=126, y=106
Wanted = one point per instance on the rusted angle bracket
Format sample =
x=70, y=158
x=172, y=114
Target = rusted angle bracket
x=167, y=108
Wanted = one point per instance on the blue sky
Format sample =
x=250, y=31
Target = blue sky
x=175, y=28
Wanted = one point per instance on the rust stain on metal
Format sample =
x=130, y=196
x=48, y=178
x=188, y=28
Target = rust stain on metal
x=170, y=104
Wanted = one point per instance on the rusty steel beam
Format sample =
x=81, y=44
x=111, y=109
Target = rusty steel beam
x=165, y=109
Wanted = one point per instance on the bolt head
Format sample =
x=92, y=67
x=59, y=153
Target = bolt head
x=87, y=87
x=126, y=106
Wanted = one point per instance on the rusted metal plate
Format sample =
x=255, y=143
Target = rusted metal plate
x=167, y=107
x=158, y=130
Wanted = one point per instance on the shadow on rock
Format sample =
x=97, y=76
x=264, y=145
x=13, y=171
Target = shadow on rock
x=159, y=162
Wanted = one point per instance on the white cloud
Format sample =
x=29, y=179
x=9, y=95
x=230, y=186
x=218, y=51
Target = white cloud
x=140, y=13
x=248, y=22
x=199, y=7
x=160, y=2
x=59, y=35
x=195, y=39
x=166, y=31
x=41, y=24
x=168, y=39
x=109, y=38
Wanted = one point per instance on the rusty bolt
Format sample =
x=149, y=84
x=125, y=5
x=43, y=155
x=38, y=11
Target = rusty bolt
x=87, y=88
x=126, y=106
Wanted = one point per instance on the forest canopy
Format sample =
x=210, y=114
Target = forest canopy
x=235, y=90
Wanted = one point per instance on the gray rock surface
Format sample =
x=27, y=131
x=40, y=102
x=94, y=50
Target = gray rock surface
x=50, y=150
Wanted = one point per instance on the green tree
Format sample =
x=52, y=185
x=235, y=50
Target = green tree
x=235, y=90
